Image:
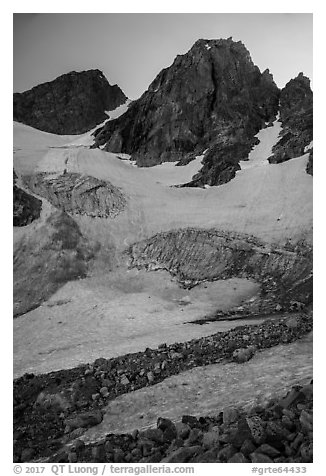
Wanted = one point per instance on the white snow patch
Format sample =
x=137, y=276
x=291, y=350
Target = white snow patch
x=309, y=146
x=168, y=173
x=28, y=137
x=124, y=156
x=118, y=111
x=87, y=139
x=268, y=137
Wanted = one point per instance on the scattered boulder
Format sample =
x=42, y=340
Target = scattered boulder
x=268, y=450
x=150, y=377
x=209, y=456
x=84, y=420
x=166, y=424
x=247, y=447
x=238, y=458
x=292, y=397
x=292, y=322
x=211, y=439
x=99, y=453
x=275, y=433
x=153, y=434
x=183, y=430
x=226, y=453
x=190, y=420
x=230, y=415
x=195, y=436
x=257, y=430
x=53, y=401
x=306, y=421
x=182, y=455
x=118, y=456
x=124, y=380
x=243, y=354
x=72, y=457
x=306, y=452
x=104, y=391
x=260, y=458
x=27, y=455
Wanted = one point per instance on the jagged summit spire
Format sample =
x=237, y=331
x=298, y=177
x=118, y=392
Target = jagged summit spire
x=212, y=91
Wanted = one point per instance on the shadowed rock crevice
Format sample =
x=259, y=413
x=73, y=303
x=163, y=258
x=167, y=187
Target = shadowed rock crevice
x=78, y=194
x=310, y=163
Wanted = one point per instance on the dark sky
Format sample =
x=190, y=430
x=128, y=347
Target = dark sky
x=131, y=48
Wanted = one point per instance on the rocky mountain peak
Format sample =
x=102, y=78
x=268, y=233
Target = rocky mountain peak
x=267, y=76
x=296, y=114
x=296, y=95
x=212, y=91
x=220, y=48
x=73, y=103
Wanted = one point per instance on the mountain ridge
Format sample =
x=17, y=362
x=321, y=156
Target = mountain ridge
x=213, y=94
x=73, y=103
x=296, y=115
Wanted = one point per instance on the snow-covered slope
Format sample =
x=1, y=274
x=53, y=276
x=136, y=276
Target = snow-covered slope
x=111, y=307
x=118, y=111
x=259, y=154
x=87, y=139
x=252, y=202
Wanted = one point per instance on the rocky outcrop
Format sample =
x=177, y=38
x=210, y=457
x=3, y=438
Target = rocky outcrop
x=310, y=163
x=56, y=252
x=78, y=194
x=196, y=255
x=71, y=104
x=26, y=208
x=41, y=401
x=221, y=161
x=211, y=97
x=296, y=115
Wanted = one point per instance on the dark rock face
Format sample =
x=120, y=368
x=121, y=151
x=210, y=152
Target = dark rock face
x=212, y=97
x=79, y=194
x=26, y=208
x=296, y=114
x=71, y=104
x=221, y=162
x=310, y=163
